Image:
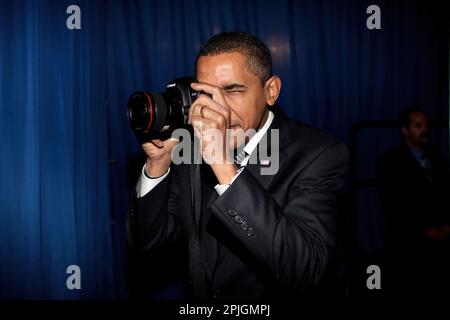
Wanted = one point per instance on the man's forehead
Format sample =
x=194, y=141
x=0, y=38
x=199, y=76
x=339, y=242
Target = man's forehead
x=236, y=57
x=418, y=116
x=222, y=69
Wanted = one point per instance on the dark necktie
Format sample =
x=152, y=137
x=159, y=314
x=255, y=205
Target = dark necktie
x=426, y=165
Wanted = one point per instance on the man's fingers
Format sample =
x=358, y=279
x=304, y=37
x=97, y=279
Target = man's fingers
x=212, y=122
x=210, y=110
x=172, y=142
x=214, y=104
x=157, y=143
x=215, y=92
x=156, y=148
x=215, y=116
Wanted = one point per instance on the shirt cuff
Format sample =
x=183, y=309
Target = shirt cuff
x=221, y=188
x=146, y=184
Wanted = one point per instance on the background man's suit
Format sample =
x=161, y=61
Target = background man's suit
x=414, y=199
x=267, y=234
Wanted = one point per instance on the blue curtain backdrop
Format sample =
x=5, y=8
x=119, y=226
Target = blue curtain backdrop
x=54, y=193
x=65, y=145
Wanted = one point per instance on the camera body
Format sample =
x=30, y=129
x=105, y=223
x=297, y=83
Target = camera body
x=154, y=115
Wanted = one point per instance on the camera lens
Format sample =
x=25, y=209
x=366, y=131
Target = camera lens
x=146, y=111
x=154, y=115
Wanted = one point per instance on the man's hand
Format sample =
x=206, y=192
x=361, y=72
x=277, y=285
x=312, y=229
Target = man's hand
x=159, y=156
x=210, y=118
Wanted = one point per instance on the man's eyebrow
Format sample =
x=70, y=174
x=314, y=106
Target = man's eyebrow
x=233, y=86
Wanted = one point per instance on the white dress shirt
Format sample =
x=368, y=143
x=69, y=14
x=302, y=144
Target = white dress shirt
x=146, y=184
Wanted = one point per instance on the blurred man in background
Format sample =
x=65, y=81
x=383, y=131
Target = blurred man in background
x=414, y=188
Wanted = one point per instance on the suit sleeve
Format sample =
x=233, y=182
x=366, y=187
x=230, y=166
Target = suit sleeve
x=152, y=219
x=292, y=243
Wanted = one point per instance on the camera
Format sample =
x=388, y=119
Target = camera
x=154, y=115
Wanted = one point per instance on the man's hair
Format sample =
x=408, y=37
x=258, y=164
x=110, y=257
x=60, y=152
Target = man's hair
x=257, y=54
x=405, y=115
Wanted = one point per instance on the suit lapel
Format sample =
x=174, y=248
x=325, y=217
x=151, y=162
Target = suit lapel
x=257, y=170
x=271, y=144
x=420, y=172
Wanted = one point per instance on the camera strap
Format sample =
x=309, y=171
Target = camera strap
x=197, y=272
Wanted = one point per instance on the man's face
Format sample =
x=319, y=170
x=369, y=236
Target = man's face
x=243, y=91
x=416, y=133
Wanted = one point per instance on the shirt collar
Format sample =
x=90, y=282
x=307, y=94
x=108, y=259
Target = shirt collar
x=416, y=152
x=253, y=142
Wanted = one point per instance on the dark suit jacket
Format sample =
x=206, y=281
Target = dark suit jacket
x=267, y=234
x=412, y=200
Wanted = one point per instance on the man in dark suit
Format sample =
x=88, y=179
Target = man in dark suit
x=248, y=234
x=414, y=188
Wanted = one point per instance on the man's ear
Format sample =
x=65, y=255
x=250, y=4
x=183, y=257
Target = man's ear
x=404, y=131
x=272, y=89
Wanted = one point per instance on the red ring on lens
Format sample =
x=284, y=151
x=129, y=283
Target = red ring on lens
x=151, y=110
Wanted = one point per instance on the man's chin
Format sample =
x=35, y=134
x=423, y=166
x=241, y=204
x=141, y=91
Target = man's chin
x=422, y=143
x=424, y=140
